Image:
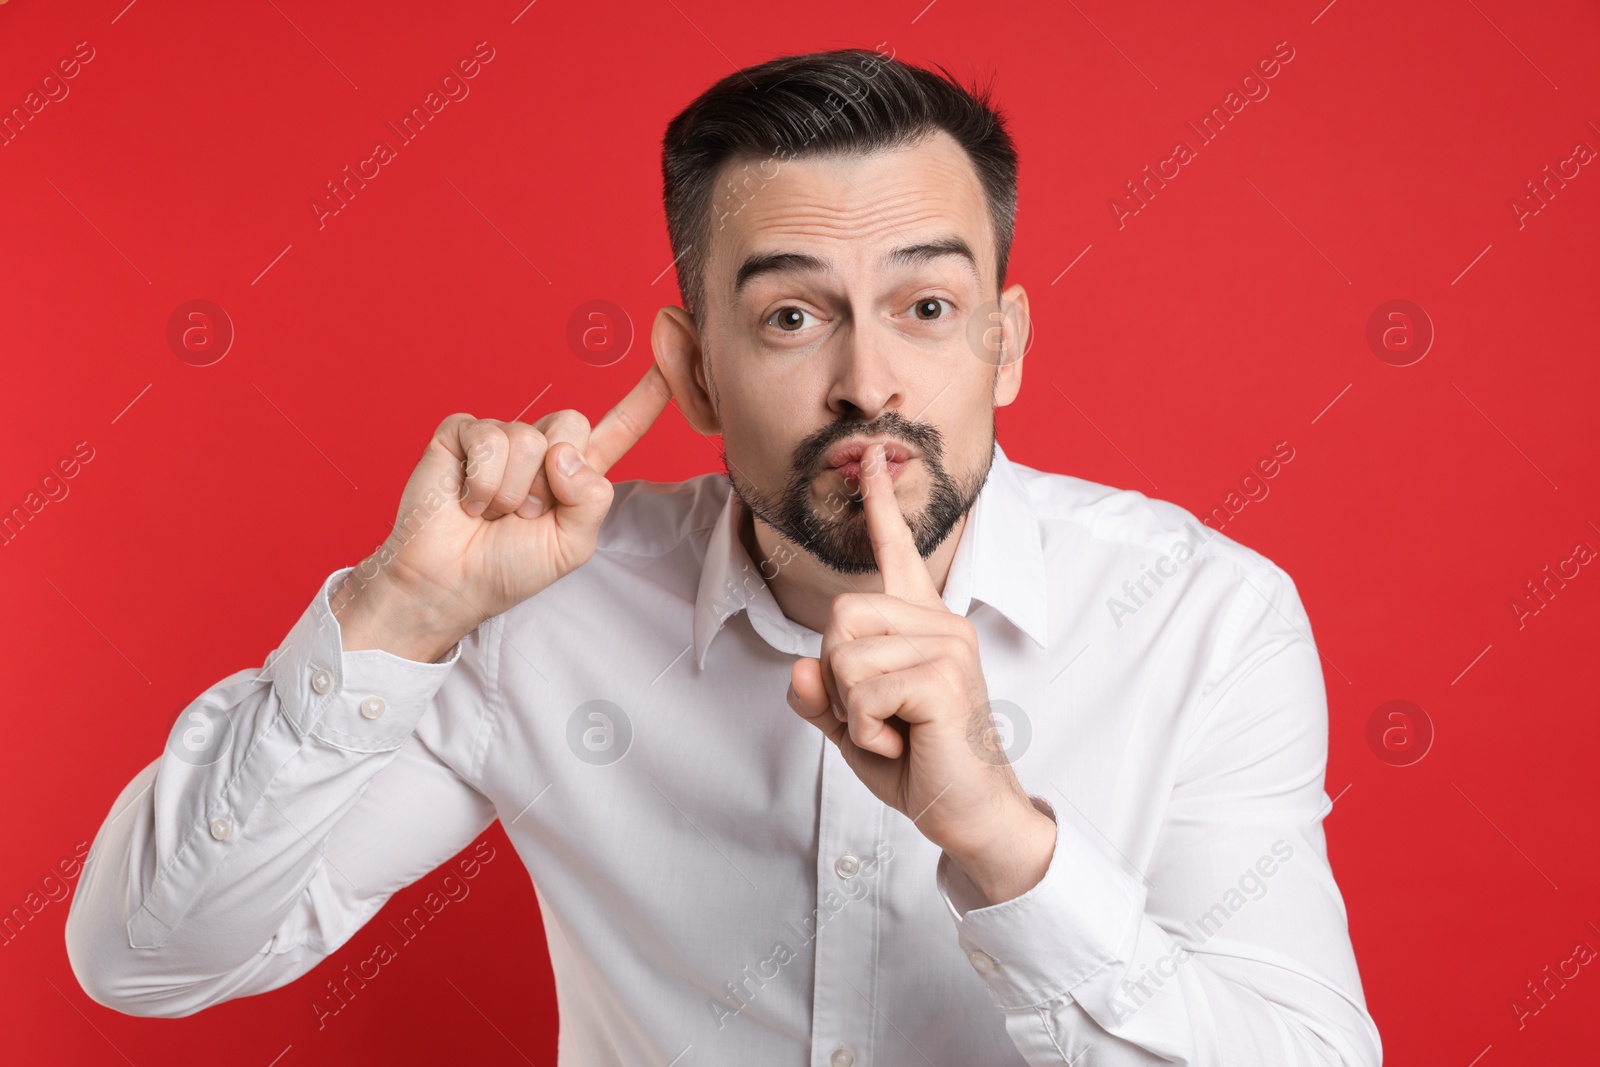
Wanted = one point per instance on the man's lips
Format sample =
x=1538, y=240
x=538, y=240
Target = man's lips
x=851, y=472
x=845, y=458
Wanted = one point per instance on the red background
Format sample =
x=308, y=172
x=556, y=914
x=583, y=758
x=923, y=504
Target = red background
x=1223, y=318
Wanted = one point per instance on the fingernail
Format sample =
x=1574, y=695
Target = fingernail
x=569, y=462
x=531, y=508
x=477, y=507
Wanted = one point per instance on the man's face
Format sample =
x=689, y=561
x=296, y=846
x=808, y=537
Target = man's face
x=837, y=312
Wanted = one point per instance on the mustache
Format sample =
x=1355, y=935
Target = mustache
x=925, y=438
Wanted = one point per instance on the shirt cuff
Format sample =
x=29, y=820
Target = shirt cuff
x=363, y=701
x=1037, y=947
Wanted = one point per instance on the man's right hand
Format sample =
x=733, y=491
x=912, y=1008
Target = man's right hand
x=494, y=513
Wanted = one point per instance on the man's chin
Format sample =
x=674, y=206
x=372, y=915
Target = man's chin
x=839, y=541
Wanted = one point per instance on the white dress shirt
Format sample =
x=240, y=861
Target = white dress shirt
x=717, y=886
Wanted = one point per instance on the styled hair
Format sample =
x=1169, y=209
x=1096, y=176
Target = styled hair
x=848, y=101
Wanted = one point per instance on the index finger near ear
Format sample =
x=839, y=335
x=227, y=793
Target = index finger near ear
x=626, y=423
x=905, y=572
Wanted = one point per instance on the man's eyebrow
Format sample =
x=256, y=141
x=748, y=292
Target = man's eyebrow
x=928, y=251
x=778, y=263
x=762, y=263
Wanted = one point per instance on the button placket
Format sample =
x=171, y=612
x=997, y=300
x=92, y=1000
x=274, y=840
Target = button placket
x=845, y=938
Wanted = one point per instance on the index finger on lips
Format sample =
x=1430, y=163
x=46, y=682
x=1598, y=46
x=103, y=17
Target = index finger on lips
x=905, y=573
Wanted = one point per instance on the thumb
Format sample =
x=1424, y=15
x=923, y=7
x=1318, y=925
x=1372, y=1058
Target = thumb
x=809, y=698
x=582, y=494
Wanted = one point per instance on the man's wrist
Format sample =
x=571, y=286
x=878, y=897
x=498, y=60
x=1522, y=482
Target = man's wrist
x=1016, y=858
x=376, y=612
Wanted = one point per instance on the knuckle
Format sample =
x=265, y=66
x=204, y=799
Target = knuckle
x=454, y=422
x=488, y=444
x=525, y=439
x=567, y=419
x=481, y=430
x=629, y=423
x=845, y=672
x=570, y=420
x=507, y=498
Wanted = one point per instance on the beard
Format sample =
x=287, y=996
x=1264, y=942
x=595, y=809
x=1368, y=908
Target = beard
x=837, y=536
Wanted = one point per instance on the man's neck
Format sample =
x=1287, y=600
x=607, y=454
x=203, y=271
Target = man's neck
x=804, y=587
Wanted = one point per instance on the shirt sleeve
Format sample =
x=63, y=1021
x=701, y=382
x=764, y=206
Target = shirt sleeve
x=289, y=804
x=1232, y=948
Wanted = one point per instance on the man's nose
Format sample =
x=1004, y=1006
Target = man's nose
x=866, y=374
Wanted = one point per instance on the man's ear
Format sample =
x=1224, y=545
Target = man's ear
x=676, y=342
x=1018, y=328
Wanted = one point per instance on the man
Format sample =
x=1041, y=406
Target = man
x=882, y=749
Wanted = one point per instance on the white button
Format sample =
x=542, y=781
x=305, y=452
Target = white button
x=372, y=707
x=846, y=866
x=321, y=680
x=842, y=1057
x=221, y=828
x=982, y=961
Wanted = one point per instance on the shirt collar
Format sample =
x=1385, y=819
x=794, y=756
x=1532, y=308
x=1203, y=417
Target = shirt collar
x=999, y=561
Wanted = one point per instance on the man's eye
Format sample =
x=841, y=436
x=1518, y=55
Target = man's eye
x=789, y=319
x=929, y=308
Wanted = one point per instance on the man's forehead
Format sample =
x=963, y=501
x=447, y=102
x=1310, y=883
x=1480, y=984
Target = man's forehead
x=893, y=206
